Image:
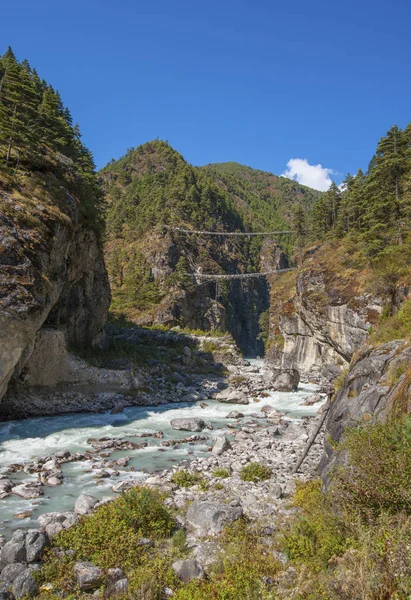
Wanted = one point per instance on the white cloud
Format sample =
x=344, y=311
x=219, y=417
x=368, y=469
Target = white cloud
x=314, y=176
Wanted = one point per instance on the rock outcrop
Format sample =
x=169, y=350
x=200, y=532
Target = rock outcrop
x=378, y=384
x=52, y=276
x=321, y=314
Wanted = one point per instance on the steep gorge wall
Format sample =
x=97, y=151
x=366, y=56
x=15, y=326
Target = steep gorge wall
x=235, y=306
x=52, y=275
x=321, y=314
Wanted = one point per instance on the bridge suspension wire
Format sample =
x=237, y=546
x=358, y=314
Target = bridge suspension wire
x=210, y=277
x=227, y=233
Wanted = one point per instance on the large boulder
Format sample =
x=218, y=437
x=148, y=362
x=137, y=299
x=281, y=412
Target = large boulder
x=36, y=542
x=25, y=585
x=188, y=569
x=11, y=571
x=232, y=397
x=89, y=577
x=28, y=491
x=188, y=424
x=209, y=518
x=283, y=380
x=13, y=552
x=377, y=384
x=221, y=445
x=84, y=504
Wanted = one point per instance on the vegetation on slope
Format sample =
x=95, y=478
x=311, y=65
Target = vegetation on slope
x=266, y=201
x=38, y=139
x=152, y=186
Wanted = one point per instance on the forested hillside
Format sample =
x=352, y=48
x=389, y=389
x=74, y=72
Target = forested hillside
x=37, y=134
x=152, y=188
x=267, y=201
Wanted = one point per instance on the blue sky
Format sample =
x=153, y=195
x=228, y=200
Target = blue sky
x=257, y=82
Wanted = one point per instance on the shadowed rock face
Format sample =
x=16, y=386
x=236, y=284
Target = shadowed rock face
x=52, y=274
x=378, y=384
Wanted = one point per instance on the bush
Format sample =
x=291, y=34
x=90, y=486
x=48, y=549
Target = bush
x=378, y=475
x=185, y=479
x=255, y=472
x=245, y=570
x=110, y=536
x=221, y=473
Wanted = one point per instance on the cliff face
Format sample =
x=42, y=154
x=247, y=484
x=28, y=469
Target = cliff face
x=321, y=314
x=378, y=384
x=52, y=273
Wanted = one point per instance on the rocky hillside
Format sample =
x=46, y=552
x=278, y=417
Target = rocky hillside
x=152, y=188
x=52, y=270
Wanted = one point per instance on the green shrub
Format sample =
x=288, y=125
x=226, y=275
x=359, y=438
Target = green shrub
x=110, y=536
x=378, y=475
x=185, y=479
x=179, y=539
x=240, y=576
x=255, y=472
x=221, y=472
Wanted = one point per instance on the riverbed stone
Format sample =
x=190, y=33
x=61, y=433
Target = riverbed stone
x=209, y=518
x=13, y=552
x=89, y=577
x=5, y=487
x=11, y=571
x=36, y=542
x=84, y=504
x=234, y=414
x=233, y=397
x=221, y=445
x=25, y=585
x=188, y=424
x=27, y=491
x=188, y=569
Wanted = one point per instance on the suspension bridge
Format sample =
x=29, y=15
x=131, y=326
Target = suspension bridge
x=204, y=277
x=227, y=233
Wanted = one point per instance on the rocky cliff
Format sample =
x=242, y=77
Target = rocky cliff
x=322, y=313
x=52, y=276
x=377, y=385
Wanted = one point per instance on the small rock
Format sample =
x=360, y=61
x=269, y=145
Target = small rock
x=117, y=408
x=89, y=577
x=188, y=569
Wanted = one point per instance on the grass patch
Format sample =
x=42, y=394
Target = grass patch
x=221, y=473
x=255, y=472
x=185, y=479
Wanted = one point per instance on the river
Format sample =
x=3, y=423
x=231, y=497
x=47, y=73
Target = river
x=22, y=441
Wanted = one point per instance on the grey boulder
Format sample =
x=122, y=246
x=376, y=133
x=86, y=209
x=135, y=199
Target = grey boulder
x=36, y=542
x=25, y=585
x=232, y=397
x=209, y=518
x=221, y=445
x=188, y=569
x=89, y=577
x=13, y=552
x=286, y=380
x=189, y=424
x=84, y=504
x=10, y=572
